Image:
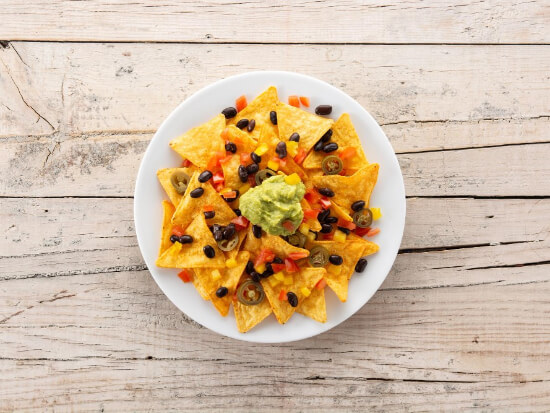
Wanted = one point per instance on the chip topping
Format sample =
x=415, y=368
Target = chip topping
x=250, y=293
x=363, y=218
x=332, y=165
x=318, y=256
x=179, y=181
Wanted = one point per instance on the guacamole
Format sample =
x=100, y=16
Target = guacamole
x=272, y=203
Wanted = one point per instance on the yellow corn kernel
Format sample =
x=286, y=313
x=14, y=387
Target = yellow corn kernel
x=304, y=229
x=334, y=269
x=376, y=214
x=261, y=150
x=293, y=179
x=273, y=165
x=292, y=148
x=339, y=236
x=288, y=280
x=273, y=281
x=231, y=263
x=244, y=188
x=305, y=291
x=311, y=236
x=216, y=275
x=260, y=268
x=178, y=246
x=279, y=276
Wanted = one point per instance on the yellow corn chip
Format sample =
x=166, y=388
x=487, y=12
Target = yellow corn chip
x=345, y=136
x=259, y=110
x=348, y=189
x=231, y=168
x=248, y=316
x=314, y=306
x=276, y=244
x=189, y=207
x=199, y=287
x=230, y=279
x=310, y=127
x=164, y=175
x=314, y=224
x=167, y=212
x=199, y=144
x=369, y=247
x=306, y=277
x=192, y=255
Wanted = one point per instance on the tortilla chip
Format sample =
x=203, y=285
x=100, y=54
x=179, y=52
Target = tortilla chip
x=348, y=189
x=164, y=175
x=310, y=127
x=345, y=136
x=350, y=253
x=199, y=287
x=314, y=224
x=167, y=212
x=231, y=168
x=248, y=316
x=276, y=244
x=199, y=144
x=306, y=277
x=189, y=207
x=230, y=278
x=369, y=247
x=314, y=306
x=192, y=255
x=259, y=110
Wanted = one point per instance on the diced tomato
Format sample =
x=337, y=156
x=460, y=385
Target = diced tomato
x=300, y=156
x=186, y=163
x=328, y=237
x=325, y=203
x=208, y=208
x=240, y=223
x=343, y=172
x=177, y=230
x=373, y=232
x=311, y=213
x=312, y=196
x=218, y=178
x=226, y=159
x=214, y=161
x=293, y=100
x=346, y=224
x=321, y=284
x=225, y=134
x=245, y=158
x=288, y=225
x=252, y=181
x=185, y=275
x=240, y=103
x=304, y=100
x=348, y=153
x=282, y=162
x=219, y=187
x=291, y=265
x=282, y=296
x=297, y=255
x=265, y=255
x=362, y=231
x=229, y=194
x=278, y=267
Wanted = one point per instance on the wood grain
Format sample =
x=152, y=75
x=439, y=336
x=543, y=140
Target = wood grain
x=348, y=21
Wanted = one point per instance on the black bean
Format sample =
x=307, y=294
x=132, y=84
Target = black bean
x=295, y=137
x=205, y=176
x=330, y=147
x=252, y=168
x=319, y=146
x=221, y=292
x=229, y=112
x=326, y=137
x=186, y=239
x=280, y=149
x=173, y=238
x=361, y=265
x=326, y=228
x=237, y=212
x=243, y=174
x=323, y=110
x=335, y=259
x=344, y=230
x=358, y=206
x=209, y=214
x=196, y=193
x=255, y=157
x=323, y=215
x=331, y=220
x=273, y=117
x=292, y=299
x=229, y=231
x=251, y=125
x=216, y=227
x=277, y=260
x=249, y=267
x=231, y=147
x=255, y=276
x=218, y=235
x=257, y=231
x=326, y=192
x=243, y=123
x=267, y=273
x=209, y=251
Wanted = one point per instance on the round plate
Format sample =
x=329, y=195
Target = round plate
x=389, y=195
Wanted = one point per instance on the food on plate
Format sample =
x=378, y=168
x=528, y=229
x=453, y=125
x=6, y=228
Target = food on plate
x=269, y=207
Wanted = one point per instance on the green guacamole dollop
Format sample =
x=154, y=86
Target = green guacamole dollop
x=272, y=203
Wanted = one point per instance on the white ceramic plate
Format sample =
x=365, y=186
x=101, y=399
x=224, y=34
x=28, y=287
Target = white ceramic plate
x=389, y=195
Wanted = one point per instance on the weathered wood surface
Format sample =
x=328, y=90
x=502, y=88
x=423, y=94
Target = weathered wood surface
x=333, y=21
x=461, y=322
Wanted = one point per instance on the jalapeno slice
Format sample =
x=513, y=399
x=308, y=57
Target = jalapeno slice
x=263, y=175
x=297, y=239
x=229, y=244
x=363, y=219
x=318, y=256
x=179, y=180
x=250, y=293
x=332, y=165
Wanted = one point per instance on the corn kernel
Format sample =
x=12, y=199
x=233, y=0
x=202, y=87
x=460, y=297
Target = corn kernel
x=216, y=275
x=305, y=291
x=340, y=236
x=292, y=148
x=311, y=236
x=261, y=150
x=334, y=269
x=279, y=276
x=231, y=263
x=260, y=268
x=273, y=165
x=244, y=188
x=273, y=281
x=376, y=214
x=304, y=229
x=293, y=179
x=288, y=280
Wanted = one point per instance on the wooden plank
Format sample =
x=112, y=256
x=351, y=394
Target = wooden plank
x=103, y=239
x=442, y=21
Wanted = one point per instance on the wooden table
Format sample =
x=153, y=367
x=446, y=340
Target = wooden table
x=462, y=90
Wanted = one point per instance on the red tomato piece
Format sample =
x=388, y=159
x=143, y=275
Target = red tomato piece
x=347, y=153
x=218, y=178
x=252, y=181
x=278, y=267
x=311, y=213
x=245, y=158
x=297, y=255
x=288, y=225
x=328, y=237
x=346, y=224
x=343, y=172
x=225, y=134
x=186, y=163
x=229, y=194
x=293, y=100
x=177, y=230
x=282, y=296
x=226, y=159
x=304, y=100
x=241, y=103
x=264, y=256
x=362, y=231
x=240, y=223
x=291, y=265
x=312, y=196
x=325, y=203
x=300, y=156
x=208, y=208
x=321, y=284
x=282, y=162
x=185, y=275
x=373, y=232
